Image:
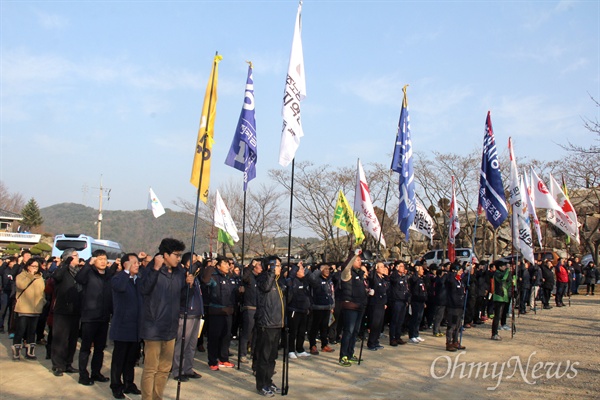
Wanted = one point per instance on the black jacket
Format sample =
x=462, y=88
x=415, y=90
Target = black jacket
x=321, y=291
x=399, y=290
x=440, y=291
x=380, y=286
x=298, y=293
x=222, y=291
x=270, y=310
x=455, y=292
x=418, y=291
x=67, y=292
x=548, y=277
x=96, y=297
x=127, y=307
x=250, y=298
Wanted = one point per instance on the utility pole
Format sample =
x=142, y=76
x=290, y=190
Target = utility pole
x=102, y=190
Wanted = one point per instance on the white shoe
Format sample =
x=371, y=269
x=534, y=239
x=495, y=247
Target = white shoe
x=420, y=339
x=303, y=354
x=292, y=355
x=505, y=328
x=414, y=340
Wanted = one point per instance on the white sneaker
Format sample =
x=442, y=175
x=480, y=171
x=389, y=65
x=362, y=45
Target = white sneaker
x=303, y=354
x=292, y=355
x=505, y=328
x=420, y=339
x=414, y=340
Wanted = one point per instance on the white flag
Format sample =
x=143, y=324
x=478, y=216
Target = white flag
x=541, y=195
x=155, y=205
x=453, y=223
x=223, y=219
x=530, y=201
x=295, y=92
x=514, y=194
x=566, y=220
x=523, y=223
x=364, y=206
x=423, y=223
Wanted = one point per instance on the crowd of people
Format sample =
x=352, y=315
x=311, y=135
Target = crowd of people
x=159, y=310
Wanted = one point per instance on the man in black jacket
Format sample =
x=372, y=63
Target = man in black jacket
x=270, y=312
x=379, y=283
x=524, y=277
x=399, y=296
x=249, y=300
x=96, y=309
x=418, y=298
x=67, y=311
x=455, y=292
x=547, y=283
x=322, y=305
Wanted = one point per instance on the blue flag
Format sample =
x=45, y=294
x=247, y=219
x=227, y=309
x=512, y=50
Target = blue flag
x=491, y=190
x=242, y=153
x=403, y=164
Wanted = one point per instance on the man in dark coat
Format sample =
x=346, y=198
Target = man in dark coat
x=125, y=327
x=547, y=283
x=161, y=286
x=96, y=309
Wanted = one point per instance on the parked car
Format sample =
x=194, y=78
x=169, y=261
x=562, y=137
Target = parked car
x=586, y=259
x=437, y=256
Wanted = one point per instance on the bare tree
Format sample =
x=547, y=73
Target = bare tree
x=593, y=127
x=13, y=202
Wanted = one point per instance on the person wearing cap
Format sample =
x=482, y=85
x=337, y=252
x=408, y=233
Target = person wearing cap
x=67, y=311
x=455, y=303
x=322, y=305
x=500, y=297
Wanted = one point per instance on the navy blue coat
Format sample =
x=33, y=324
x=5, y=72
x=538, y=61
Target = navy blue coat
x=162, y=292
x=127, y=308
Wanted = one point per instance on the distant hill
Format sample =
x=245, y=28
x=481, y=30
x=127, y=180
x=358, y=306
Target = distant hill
x=138, y=230
x=135, y=230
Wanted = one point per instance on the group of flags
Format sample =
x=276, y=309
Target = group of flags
x=525, y=194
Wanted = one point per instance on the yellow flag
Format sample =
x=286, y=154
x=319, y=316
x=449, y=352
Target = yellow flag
x=204, y=143
x=345, y=219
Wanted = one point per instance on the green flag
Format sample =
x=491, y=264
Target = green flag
x=224, y=237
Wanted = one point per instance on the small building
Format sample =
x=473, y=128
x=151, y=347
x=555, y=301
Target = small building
x=9, y=223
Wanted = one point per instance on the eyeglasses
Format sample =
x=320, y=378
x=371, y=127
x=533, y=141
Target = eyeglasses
x=178, y=255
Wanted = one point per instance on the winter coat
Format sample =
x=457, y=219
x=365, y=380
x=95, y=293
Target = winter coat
x=127, y=308
x=161, y=291
x=548, y=278
x=380, y=285
x=96, y=304
x=30, y=298
x=270, y=310
x=67, y=291
x=418, y=291
x=322, y=295
x=399, y=290
x=455, y=291
x=592, y=275
x=298, y=293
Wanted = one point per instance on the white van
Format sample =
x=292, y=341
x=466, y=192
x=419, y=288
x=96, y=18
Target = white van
x=437, y=256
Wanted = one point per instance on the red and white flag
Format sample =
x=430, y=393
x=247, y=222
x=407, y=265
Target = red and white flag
x=454, y=225
x=363, y=206
x=566, y=219
x=541, y=195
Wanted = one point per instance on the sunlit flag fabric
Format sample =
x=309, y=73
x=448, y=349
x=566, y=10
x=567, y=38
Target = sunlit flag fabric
x=364, y=206
x=491, y=191
x=204, y=143
x=402, y=163
x=423, y=223
x=531, y=208
x=345, y=219
x=541, y=195
x=223, y=220
x=566, y=220
x=525, y=238
x=514, y=194
x=453, y=225
x=242, y=153
x=154, y=204
x=295, y=92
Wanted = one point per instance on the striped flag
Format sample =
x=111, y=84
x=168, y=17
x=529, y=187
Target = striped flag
x=453, y=225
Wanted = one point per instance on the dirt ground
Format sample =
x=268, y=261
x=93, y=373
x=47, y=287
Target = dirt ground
x=554, y=354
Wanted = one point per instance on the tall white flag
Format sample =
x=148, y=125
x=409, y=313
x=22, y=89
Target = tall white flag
x=566, y=220
x=155, y=205
x=523, y=222
x=295, y=92
x=364, y=206
x=541, y=195
x=531, y=208
x=223, y=219
x=514, y=195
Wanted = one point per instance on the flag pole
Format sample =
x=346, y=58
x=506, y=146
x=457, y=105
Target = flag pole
x=240, y=327
x=194, y=231
x=286, y=343
x=387, y=191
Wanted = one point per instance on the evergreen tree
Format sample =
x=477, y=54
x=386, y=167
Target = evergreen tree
x=31, y=215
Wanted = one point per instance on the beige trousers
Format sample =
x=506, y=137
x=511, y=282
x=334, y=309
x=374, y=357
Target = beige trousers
x=158, y=356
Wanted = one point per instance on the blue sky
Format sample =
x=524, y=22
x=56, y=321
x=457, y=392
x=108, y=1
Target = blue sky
x=115, y=88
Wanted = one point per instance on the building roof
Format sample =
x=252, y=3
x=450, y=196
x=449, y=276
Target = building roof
x=4, y=214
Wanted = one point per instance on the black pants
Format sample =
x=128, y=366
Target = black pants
x=320, y=325
x=525, y=294
x=247, y=331
x=267, y=340
x=65, y=331
x=25, y=329
x=335, y=330
x=397, y=316
x=415, y=320
x=454, y=317
x=591, y=286
x=124, y=357
x=41, y=323
x=219, y=331
x=470, y=309
x=440, y=310
x=92, y=333
x=561, y=289
x=545, y=296
x=297, y=330
x=375, y=315
x=499, y=313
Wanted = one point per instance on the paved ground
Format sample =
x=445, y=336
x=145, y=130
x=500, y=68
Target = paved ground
x=555, y=354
